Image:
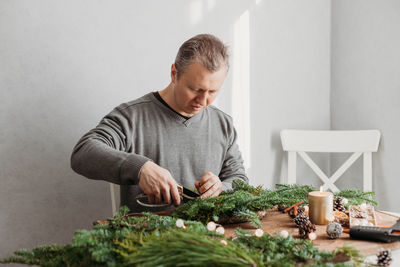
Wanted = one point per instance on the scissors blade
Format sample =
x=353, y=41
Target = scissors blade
x=190, y=194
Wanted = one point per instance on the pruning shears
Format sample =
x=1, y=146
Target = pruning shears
x=185, y=193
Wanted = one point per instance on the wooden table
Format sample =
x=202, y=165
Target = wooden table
x=276, y=221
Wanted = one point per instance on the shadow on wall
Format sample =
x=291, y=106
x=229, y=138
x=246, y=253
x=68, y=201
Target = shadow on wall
x=279, y=156
x=379, y=179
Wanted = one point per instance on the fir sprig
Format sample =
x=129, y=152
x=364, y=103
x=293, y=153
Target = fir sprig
x=97, y=247
x=185, y=247
x=280, y=251
x=124, y=235
x=355, y=256
x=54, y=255
x=244, y=201
x=356, y=197
x=179, y=247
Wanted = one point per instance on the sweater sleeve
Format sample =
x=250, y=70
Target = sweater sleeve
x=232, y=167
x=101, y=154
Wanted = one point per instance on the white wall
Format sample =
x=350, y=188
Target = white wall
x=290, y=81
x=366, y=86
x=65, y=64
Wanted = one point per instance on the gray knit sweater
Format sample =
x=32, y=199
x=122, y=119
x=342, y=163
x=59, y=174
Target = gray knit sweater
x=145, y=129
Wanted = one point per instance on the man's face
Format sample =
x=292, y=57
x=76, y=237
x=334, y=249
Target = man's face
x=196, y=88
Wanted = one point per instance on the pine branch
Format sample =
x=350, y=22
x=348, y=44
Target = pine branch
x=245, y=200
x=125, y=235
x=356, y=197
x=186, y=248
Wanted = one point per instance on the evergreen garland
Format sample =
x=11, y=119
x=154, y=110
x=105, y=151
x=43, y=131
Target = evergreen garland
x=244, y=201
x=97, y=247
x=185, y=248
x=279, y=251
x=154, y=240
x=180, y=247
x=116, y=243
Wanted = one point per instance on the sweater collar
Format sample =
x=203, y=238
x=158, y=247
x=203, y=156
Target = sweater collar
x=174, y=115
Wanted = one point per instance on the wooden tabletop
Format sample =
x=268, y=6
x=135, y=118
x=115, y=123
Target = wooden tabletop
x=276, y=221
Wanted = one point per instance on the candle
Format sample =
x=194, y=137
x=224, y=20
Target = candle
x=320, y=206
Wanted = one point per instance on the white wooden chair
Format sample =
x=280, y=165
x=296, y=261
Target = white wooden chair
x=362, y=142
x=115, y=197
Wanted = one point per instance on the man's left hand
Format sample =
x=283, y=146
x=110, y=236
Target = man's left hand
x=209, y=186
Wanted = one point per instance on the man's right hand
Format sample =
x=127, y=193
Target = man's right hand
x=157, y=183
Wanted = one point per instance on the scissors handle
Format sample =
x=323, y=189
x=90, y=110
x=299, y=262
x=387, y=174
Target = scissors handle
x=142, y=200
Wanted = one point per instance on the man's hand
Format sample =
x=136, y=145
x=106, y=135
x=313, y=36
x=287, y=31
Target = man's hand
x=209, y=185
x=157, y=183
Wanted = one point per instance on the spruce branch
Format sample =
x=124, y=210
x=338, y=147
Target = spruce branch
x=187, y=248
x=115, y=243
x=243, y=201
x=356, y=197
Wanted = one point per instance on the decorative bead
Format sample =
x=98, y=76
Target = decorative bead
x=334, y=230
x=259, y=233
x=312, y=236
x=211, y=226
x=220, y=230
x=179, y=223
x=284, y=234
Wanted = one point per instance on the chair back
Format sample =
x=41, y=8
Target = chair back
x=362, y=142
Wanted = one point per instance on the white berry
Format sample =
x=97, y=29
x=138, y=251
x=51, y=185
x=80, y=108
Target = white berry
x=220, y=230
x=312, y=236
x=211, y=226
x=259, y=233
x=284, y=233
x=179, y=223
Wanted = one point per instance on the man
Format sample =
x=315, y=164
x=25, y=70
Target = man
x=169, y=137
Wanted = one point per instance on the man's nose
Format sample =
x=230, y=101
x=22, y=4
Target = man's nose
x=202, y=99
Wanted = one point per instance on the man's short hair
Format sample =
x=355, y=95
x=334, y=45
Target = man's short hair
x=205, y=49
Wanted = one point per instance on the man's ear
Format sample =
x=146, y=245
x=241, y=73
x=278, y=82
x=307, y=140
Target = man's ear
x=174, y=73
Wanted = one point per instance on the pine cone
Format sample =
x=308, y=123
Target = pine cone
x=301, y=209
x=334, y=230
x=384, y=257
x=306, y=228
x=338, y=204
x=282, y=207
x=300, y=219
x=296, y=211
